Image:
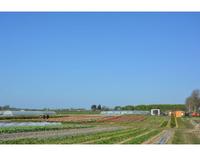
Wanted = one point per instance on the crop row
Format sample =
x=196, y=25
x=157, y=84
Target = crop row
x=164, y=123
x=87, y=138
x=129, y=136
x=40, y=128
x=119, y=138
x=173, y=122
x=65, y=140
x=141, y=138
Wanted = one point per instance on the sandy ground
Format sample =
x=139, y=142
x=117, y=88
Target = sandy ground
x=55, y=133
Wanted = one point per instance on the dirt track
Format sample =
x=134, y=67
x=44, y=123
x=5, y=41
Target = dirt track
x=55, y=133
x=161, y=138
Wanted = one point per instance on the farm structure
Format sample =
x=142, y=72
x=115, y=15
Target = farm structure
x=135, y=112
x=155, y=112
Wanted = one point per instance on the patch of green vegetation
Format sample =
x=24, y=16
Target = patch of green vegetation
x=142, y=138
x=40, y=128
x=178, y=138
x=180, y=122
x=97, y=138
x=67, y=139
x=172, y=122
x=119, y=138
x=184, y=123
x=185, y=137
x=164, y=123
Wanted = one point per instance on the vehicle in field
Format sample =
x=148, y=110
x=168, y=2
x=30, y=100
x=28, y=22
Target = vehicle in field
x=195, y=114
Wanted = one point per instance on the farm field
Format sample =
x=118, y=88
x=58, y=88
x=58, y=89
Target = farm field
x=100, y=129
x=87, y=129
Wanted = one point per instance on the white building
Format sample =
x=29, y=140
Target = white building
x=155, y=112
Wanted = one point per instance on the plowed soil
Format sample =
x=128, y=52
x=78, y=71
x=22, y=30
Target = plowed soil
x=76, y=118
x=124, y=118
x=98, y=118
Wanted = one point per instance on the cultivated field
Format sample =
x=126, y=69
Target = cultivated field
x=99, y=129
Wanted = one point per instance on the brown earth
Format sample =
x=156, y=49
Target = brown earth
x=76, y=118
x=123, y=118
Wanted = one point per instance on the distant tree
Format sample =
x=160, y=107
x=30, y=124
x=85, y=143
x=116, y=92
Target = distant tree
x=193, y=101
x=188, y=103
x=117, y=108
x=104, y=108
x=93, y=107
x=99, y=107
x=162, y=107
x=6, y=107
x=128, y=107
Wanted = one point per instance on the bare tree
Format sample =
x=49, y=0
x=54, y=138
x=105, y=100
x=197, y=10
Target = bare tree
x=193, y=101
x=189, y=104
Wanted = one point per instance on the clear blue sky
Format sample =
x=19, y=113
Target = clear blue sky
x=77, y=59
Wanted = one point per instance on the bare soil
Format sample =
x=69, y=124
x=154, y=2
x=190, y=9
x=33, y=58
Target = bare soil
x=76, y=118
x=123, y=118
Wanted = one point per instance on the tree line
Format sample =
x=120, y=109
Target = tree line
x=99, y=108
x=163, y=107
x=192, y=104
x=6, y=107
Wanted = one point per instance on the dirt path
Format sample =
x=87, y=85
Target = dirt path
x=161, y=138
x=55, y=133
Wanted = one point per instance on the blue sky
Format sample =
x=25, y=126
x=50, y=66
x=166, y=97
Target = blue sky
x=77, y=59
